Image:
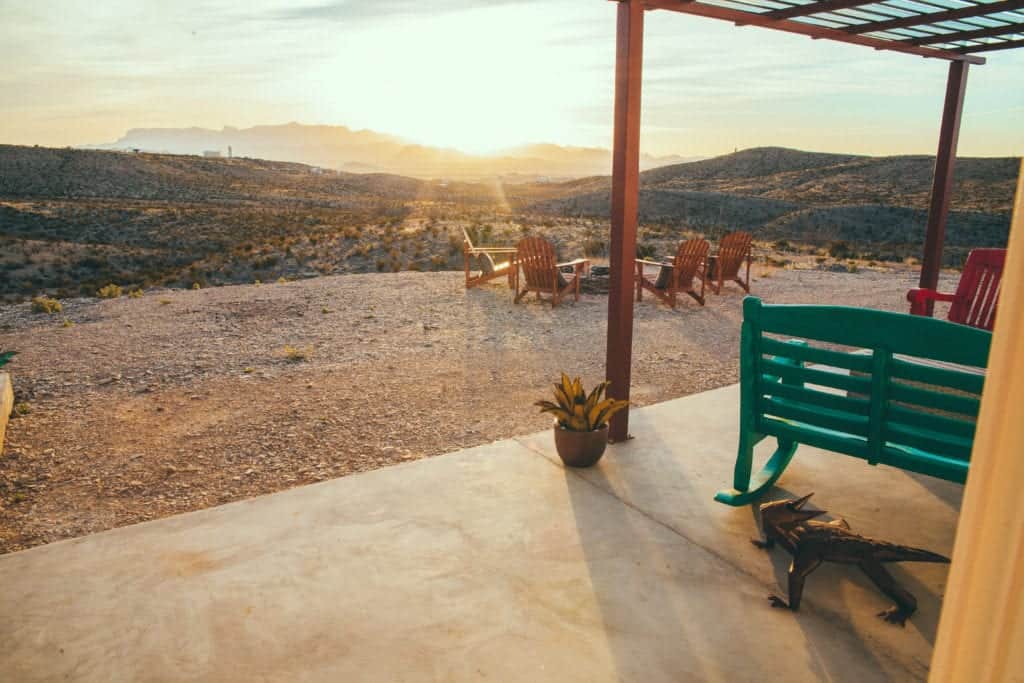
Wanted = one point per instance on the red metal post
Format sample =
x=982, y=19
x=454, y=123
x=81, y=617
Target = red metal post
x=942, y=183
x=625, y=199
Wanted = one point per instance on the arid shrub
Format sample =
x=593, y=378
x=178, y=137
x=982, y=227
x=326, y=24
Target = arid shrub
x=135, y=294
x=646, y=251
x=110, y=291
x=297, y=355
x=44, y=304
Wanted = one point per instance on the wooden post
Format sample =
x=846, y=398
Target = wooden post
x=982, y=624
x=942, y=181
x=625, y=199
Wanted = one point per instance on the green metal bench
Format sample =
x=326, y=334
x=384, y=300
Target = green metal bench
x=905, y=394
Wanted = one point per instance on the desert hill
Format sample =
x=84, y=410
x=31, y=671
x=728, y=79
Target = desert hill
x=785, y=193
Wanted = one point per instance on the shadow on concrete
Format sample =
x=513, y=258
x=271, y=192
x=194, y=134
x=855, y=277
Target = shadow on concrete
x=827, y=659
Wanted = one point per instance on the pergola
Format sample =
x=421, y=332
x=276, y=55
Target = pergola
x=952, y=30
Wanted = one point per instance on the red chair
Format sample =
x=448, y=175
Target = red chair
x=977, y=295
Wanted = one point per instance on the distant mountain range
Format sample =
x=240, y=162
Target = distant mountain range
x=366, y=151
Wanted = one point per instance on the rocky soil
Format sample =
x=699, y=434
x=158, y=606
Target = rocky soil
x=136, y=409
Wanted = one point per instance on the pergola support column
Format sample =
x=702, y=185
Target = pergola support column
x=942, y=182
x=624, y=206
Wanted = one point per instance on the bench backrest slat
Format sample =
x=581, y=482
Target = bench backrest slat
x=811, y=354
x=809, y=396
x=865, y=328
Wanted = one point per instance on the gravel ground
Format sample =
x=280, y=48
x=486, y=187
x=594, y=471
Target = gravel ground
x=181, y=400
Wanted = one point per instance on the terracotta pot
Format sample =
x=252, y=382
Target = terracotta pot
x=580, y=449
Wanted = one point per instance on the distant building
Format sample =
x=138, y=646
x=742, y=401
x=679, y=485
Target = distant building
x=212, y=153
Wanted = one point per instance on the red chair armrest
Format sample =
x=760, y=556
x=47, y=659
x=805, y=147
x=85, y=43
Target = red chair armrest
x=924, y=295
x=919, y=299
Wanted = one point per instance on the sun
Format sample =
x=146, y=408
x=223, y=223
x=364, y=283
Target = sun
x=479, y=81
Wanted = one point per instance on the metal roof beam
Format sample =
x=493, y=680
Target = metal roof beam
x=925, y=18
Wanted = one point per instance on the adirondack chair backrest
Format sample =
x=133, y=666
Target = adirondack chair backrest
x=536, y=257
x=977, y=295
x=691, y=255
x=903, y=394
x=732, y=252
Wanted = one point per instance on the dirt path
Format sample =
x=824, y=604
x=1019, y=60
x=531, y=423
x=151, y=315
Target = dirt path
x=182, y=400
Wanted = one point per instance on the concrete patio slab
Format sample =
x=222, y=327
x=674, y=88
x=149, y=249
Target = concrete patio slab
x=493, y=563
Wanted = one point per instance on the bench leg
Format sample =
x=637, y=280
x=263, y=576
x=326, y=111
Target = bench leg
x=746, y=489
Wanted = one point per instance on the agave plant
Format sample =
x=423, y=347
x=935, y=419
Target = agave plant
x=578, y=411
x=5, y=357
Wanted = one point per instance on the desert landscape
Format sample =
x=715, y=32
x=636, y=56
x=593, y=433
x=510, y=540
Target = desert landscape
x=74, y=221
x=192, y=331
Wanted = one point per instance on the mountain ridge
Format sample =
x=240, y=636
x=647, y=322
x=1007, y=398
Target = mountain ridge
x=342, y=148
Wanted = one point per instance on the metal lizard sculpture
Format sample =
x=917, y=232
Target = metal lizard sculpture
x=812, y=542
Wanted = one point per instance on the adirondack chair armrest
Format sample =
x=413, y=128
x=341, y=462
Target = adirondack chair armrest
x=653, y=263
x=919, y=299
x=579, y=265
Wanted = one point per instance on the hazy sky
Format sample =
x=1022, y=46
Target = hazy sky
x=474, y=75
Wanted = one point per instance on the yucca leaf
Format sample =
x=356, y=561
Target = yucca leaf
x=562, y=398
x=595, y=395
x=578, y=396
x=608, y=410
x=567, y=387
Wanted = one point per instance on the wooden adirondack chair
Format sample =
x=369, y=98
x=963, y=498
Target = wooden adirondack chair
x=489, y=270
x=676, y=277
x=536, y=257
x=977, y=295
x=725, y=266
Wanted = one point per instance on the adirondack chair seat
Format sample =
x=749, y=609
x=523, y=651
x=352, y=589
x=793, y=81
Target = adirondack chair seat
x=489, y=268
x=484, y=258
x=910, y=402
x=664, y=277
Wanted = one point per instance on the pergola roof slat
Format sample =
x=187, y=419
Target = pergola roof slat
x=942, y=29
x=1005, y=29
x=743, y=18
x=817, y=7
x=988, y=47
x=975, y=10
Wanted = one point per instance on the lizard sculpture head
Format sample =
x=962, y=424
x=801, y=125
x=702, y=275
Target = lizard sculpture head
x=787, y=513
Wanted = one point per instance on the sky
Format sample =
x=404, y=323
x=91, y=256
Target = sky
x=478, y=76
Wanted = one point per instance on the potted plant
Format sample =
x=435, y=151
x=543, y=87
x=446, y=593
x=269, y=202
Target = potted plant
x=581, y=420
